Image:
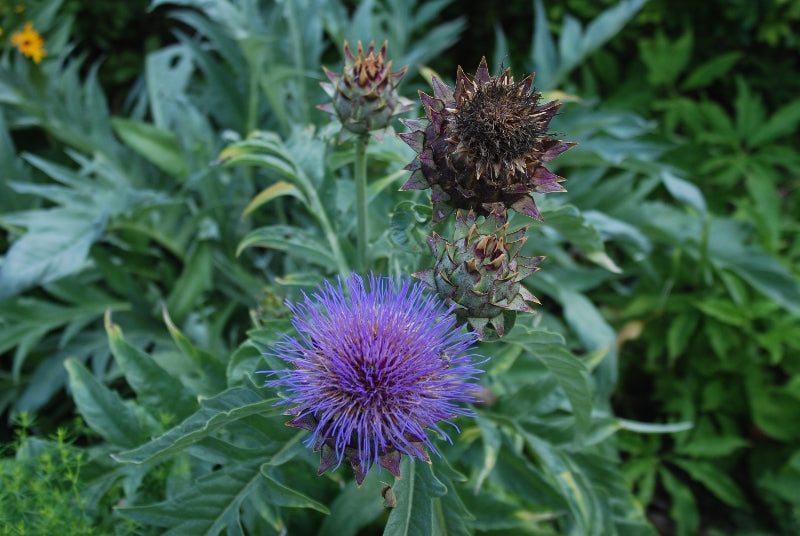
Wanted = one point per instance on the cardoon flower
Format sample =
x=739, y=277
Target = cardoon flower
x=364, y=97
x=484, y=142
x=481, y=270
x=373, y=367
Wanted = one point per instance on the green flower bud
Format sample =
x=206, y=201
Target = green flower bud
x=481, y=270
x=364, y=97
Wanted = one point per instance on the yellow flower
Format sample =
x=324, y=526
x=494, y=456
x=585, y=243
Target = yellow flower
x=29, y=42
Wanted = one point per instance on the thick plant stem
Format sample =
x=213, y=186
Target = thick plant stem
x=360, y=162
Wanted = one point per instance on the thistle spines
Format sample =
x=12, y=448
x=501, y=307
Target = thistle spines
x=481, y=270
x=484, y=142
x=364, y=97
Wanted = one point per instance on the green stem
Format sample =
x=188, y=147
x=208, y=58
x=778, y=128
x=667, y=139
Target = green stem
x=360, y=163
x=316, y=207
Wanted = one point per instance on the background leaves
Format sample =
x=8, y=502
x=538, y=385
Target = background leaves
x=654, y=390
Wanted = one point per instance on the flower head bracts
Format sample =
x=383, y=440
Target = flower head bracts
x=364, y=97
x=481, y=270
x=373, y=370
x=484, y=143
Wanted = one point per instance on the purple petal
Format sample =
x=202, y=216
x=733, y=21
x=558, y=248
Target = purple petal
x=367, y=371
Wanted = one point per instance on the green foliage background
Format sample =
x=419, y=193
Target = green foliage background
x=167, y=182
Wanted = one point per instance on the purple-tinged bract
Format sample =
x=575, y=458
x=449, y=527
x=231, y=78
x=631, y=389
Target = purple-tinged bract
x=482, y=143
x=373, y=366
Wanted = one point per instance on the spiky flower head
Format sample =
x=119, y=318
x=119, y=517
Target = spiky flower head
x=484, y=142
x=373, y=368
x=364, y=97
x=481, y=270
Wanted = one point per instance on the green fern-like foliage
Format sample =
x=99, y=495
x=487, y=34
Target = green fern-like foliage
x=41, y=488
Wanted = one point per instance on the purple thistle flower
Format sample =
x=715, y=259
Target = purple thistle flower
x=373, y=370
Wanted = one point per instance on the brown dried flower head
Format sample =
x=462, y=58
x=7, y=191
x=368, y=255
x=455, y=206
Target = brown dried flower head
x=482, y=143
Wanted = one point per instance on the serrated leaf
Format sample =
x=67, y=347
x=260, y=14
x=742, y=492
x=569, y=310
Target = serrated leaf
x=783, y=121
x=572, y=376
x=679, y=333
x=719, y=483
x=684, y=191
x=415, y=493
x=490, y=436
x=543, y=49
x=56, y=245
x=719, y=338
x=569, y=221
x=282, y=495
x=209, y=371
x=618, y=231
x=354, y=508
x=666, y=60
x=684, y=508
x=209, y=506
x=714, y=446
x=608, y=24
x=761, y=185
x=601, y=258
x=723, y=310
x=568, y=478
x=299, y=243
x=709, y=71
x=752, y=264
x=594, y=333
x=569, y=49
x=527, y=485
x=242, y=363
x=157, y=145
x=103, y=409
x=450, y=510
x=570, y=373
x=750, y=112
x=154, y=387
x=775, y=410
x=194, y=281
x=227, y=407
x=264, y=149
x=641, y=473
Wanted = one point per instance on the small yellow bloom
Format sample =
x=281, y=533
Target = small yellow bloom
x=29, y=42
x=19, y=8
